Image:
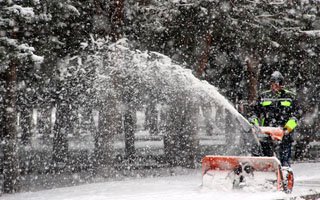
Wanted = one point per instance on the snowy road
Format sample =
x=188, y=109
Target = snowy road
x=172, y=188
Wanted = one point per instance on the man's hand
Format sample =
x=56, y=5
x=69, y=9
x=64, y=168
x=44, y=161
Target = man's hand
x=285, y=131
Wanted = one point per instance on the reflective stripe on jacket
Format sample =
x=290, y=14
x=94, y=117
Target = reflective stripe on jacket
x=277, y=109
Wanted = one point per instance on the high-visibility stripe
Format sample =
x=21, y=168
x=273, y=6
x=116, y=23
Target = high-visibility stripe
x=291, y=124
x=286, y=103
x=266, y=103
x=262, y=121
x=255, y=122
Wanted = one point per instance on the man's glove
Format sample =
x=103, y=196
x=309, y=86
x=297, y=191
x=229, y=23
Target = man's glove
x=285, y=131
x=291, y=124
x=254, y=120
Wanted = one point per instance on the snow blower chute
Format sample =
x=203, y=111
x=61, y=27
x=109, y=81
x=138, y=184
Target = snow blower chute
x=248, y=172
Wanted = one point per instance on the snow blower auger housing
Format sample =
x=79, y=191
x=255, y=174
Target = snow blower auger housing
x=247, y=172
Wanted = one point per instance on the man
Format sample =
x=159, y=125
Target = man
x=277, y=108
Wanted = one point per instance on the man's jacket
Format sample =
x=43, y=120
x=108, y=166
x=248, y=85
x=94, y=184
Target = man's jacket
x=276, y=109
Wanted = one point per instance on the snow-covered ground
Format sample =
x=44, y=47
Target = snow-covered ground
x=187, y=186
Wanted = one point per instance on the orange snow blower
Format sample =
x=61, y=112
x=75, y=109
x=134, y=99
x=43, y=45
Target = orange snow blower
x=252, y=173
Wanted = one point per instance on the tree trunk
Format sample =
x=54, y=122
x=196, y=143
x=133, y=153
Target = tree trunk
x=189, y=129
x=180, y=143
x=116, y=18
x=107, y=128
x=172, y=140
x=219, y=119
x=2, y=104
x=129, y=124
x=208, y=119
x=252, y=67
x=171, y=137
x=103, y=141
x=44, y=124
x=60, y=141
x=204, y=57
x=151, y=122
x=87, y=123
x=229, y=132
x=26, y=125
x=10, y=162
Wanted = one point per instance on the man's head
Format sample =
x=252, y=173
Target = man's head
x=276, y=81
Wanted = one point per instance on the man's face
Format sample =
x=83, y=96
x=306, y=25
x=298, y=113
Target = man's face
x=275, y=87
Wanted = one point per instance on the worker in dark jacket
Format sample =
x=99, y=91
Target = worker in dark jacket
x=277, y=107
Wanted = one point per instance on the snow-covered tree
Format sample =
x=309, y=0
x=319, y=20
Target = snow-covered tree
x=15, y=51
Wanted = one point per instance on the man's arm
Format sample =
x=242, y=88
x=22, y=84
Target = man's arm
x=294, y=115
x=255, y=113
